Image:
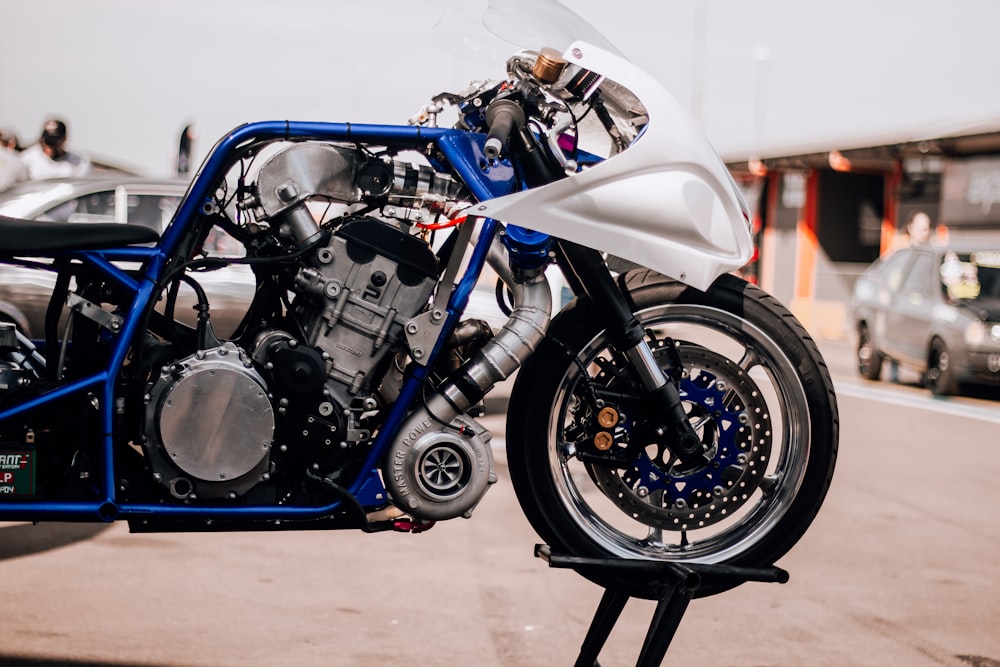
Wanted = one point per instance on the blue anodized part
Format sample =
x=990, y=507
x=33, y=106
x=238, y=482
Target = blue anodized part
x=528, y=249
x=705, y=393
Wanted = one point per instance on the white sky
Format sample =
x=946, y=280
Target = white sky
x=763, y=75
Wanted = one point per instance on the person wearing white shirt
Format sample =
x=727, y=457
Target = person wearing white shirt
x=49, y=157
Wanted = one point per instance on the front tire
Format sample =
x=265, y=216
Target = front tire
x=754, y=387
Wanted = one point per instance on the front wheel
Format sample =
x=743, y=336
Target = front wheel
x=595, y=479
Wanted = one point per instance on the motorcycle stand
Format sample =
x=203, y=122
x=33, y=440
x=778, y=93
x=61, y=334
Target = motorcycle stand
x=672, y=584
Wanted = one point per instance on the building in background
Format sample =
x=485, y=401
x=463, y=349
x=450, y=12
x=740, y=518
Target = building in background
x=820, y=218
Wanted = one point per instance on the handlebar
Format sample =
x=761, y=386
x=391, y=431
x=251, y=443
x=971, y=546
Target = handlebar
x=503, y=116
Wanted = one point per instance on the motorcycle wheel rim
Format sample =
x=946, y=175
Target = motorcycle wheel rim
x=760, y=355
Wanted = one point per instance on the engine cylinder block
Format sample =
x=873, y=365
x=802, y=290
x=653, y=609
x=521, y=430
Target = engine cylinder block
x=355, y=298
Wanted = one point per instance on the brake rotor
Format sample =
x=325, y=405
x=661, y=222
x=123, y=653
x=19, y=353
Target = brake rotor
x=729, y=414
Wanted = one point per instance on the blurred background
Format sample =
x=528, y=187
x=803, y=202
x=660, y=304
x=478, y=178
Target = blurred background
x=838, y=119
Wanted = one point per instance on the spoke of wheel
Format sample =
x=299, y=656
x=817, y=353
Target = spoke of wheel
x=749, y=360
x=655, y=536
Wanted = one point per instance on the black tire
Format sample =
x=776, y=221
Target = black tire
x=869, y=359
x=773, y=426
x=940, y=376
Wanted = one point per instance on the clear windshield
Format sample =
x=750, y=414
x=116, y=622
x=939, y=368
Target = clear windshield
x=490, y=31
x=531, y=25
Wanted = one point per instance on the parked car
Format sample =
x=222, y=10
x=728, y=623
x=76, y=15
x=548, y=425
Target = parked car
x=24, y=293
x=107, y=198
x=112, y=197
x=935, y=309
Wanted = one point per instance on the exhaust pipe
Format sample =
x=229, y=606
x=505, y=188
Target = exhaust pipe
x=442, y=463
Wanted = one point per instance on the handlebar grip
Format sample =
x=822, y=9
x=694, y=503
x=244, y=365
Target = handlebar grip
x=503, y=117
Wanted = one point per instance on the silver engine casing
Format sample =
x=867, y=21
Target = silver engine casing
x=209, y=425
x=212, y=419
x=353, y=301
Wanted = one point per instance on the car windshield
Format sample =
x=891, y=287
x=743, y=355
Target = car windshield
x=971, y=275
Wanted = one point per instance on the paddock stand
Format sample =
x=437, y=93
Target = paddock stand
x=673, y=584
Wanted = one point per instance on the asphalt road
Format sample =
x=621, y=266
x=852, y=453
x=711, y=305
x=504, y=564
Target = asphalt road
x=900, y=568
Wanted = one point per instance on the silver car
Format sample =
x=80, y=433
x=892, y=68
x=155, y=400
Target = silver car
x=935, y=309
x=24, y=293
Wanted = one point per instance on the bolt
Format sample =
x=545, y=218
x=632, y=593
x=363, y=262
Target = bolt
x=412, y=328
x=607, y=417
x=418, y=352
x=603, y=441
x=286, y=191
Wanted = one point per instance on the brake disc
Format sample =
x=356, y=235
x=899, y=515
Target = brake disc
x=727, y=410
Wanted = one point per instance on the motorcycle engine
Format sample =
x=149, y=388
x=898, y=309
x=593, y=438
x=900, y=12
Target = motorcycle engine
x=225, y=419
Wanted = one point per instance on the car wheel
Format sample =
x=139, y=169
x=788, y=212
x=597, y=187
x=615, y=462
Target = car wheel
x=869, y=359
x=939, y=376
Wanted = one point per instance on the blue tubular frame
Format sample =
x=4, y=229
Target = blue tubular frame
x=463, y=151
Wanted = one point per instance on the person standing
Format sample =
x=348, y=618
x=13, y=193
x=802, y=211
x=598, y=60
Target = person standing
x=49, y=157
x=12, y=169
x=919, y=231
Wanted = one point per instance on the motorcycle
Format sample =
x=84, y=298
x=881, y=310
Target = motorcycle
x=670, y=411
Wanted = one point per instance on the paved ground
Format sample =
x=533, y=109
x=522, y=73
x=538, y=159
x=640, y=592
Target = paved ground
x=900, y=568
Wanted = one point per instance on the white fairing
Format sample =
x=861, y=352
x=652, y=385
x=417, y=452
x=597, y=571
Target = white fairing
x=667, y=202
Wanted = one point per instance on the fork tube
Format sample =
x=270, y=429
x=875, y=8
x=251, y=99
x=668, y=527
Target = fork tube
x=662, y=394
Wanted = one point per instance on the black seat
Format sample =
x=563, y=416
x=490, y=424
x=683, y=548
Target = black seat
x=35, y=238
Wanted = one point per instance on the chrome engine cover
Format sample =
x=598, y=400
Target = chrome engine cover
x=209, y=425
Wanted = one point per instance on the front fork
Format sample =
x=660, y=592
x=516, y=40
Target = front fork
x=587, y=273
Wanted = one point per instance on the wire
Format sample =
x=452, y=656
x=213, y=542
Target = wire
x=443, y=225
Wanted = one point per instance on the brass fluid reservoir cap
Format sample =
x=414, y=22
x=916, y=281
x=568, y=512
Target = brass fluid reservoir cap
x=607, y=417
x=603, y=441
x=548, y=66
